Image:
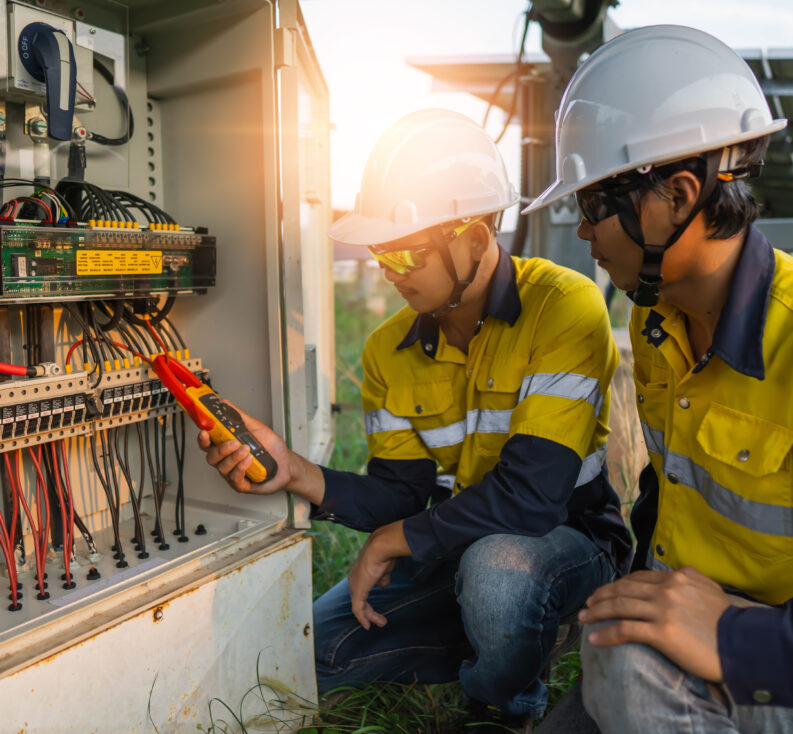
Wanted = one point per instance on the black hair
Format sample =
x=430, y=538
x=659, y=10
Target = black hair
x=731, y=207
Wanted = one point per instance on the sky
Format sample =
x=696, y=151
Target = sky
x=362, y=46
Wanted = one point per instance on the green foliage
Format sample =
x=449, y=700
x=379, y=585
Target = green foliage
x=334, y=549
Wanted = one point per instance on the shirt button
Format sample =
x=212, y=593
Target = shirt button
x=428, y=347
x=655, y=333
x=762, y=696
x=659, y=549
x=683, y=403
x=332, y=516
x=470, y=372
x=743, y=455
x=419, y=409
x=672, y=478
x=490, y=382
x=640, y=398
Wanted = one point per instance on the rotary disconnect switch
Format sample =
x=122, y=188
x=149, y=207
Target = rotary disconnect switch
x=48, y=56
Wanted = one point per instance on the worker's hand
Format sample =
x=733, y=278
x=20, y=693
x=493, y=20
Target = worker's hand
x=232, y=459
x=373, y=567
x=677, y=613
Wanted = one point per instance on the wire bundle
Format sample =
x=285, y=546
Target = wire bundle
x=44, y=204
x=142, y=337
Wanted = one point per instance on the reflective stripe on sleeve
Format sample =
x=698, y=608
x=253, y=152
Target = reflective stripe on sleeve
x=379, y=421
x=591, y=466
x=435, y=438
x=758, y=516
x=563, y=385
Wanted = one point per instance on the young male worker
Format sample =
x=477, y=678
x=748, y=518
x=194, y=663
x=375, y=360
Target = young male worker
x=656, y=134
x=497, y=373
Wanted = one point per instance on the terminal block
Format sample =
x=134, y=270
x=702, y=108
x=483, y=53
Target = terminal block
x=43, y=409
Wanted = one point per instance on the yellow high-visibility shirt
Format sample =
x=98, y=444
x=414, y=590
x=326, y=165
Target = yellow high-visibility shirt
x=540, y=364
x=720, y=431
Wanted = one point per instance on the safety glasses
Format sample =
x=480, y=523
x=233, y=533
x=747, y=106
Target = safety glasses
x=413, y=258
x=596, y=205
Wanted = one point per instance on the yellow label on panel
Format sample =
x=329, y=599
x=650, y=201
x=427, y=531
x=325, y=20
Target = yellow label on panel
x=119, y=262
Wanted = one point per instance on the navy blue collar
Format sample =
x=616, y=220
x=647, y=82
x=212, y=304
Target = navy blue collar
x=738, y=339
x=503, y=302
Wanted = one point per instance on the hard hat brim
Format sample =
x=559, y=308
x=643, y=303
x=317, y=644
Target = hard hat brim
x=357, y=230
x=559, y=189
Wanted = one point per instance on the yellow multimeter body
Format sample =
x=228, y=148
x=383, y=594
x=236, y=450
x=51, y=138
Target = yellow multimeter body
x=229, y=426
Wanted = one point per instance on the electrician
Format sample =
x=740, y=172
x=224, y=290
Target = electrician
x=657, y=133
x=496, y=373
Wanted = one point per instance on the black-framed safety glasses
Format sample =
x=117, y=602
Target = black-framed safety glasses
x=601, y=203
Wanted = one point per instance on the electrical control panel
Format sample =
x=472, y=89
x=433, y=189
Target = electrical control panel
x=155, y=202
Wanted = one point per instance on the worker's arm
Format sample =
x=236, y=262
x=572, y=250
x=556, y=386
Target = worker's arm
x=390, y=491
x=755, y=645
x=689, y=618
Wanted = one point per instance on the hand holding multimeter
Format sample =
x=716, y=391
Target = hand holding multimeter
x=222, y=421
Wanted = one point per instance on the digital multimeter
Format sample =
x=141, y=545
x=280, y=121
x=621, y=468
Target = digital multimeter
x=211, y=414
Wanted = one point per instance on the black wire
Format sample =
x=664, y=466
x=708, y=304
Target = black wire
x=154, y=317
x=115, y=316
x=166, y=336
x=110, y=472
x=108, y=493
x=87, y=338
x=151, y=211
x=142, y=334
x=514, y=73
x=159, y=531
x=102, y=333
x=142, y=482
x=121, y=95
x=169, y=324
x=78, y=521
x=123, y=463
x=179, y=448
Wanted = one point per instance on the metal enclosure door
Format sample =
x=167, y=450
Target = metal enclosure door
x=307, y=254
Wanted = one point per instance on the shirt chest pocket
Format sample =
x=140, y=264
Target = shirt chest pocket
x=498, y=386
x=420, y=399
x=753, y=454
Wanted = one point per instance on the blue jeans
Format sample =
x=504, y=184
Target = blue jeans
x=633, y=688
x=492, y=620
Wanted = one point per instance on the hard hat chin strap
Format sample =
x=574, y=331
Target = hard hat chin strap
x=453, y=301
x=650, y=277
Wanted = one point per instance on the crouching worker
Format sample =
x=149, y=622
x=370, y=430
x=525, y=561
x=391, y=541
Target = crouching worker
x=496, y=373
x=658, y=133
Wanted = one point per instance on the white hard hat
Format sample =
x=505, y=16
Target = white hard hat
x=430, y=167
x=649, y=96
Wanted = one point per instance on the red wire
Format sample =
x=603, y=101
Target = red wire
x=11, y=563
x=17, y=490
x=118, y=344
x=41, y=492
x=64, y=529
x=13, y=369
x=71, y=351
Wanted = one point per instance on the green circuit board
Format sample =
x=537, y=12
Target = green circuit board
x=57, y=263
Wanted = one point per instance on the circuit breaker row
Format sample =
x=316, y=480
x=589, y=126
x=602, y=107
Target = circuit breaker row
x=72, y=408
